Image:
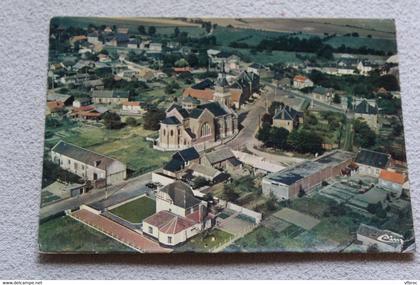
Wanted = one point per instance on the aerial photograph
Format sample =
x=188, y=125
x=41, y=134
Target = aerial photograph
x=166, y=135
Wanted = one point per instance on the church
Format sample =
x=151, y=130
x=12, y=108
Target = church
x=194, y=124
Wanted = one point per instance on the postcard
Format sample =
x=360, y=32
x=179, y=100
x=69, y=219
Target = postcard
x=167, y=135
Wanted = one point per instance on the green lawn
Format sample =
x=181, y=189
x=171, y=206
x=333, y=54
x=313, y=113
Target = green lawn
x=263, y=239
x=205, y=242
x=64, y=234
x=136, y=211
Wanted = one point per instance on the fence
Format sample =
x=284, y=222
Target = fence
x=247, y=212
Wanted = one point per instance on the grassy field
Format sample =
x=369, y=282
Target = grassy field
x=163, y=26
x=206, y=242
x=127, y=145
x=263, y=239
x=136, y=211
x=64, y=234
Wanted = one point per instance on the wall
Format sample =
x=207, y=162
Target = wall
x=24, y=41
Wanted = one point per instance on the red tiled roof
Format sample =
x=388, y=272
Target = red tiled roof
x=131, y=103
x=391, y=176
x=205, y=95
x=169, y=223
x=84, y=108
x=300, y=78
x=55, y=105
x=118, y=231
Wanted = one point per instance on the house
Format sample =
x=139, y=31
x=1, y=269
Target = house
x=384, y=240
x=119, y=40
x=75, y=39
x=372, y=162
x=255, y=68
x=55, y=106
x=122, y=30
x=65, y=98
x=286, y=117
x=86, y=101
x=222, y=158
x=104, y=58
x=133, y=43
x=180, y=160
x=366, y=109
x=204, y=126
x=302, y=178
x=93, y=37
x=207, y=172
x=179, y=215
x=300, y=82
x=155, y=47
x=110, y=96
x=88, y=112
x=323, y=94
x=88, y=164
x=365, y=67
x=189, y=103
x=392, y=181
x=133, y=107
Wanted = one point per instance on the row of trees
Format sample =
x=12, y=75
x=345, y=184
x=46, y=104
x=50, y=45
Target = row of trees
x=298, y=140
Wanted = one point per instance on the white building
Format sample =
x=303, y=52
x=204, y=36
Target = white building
x=179, y=215
x=88, y=164
x=300, y=82
x=133, y=107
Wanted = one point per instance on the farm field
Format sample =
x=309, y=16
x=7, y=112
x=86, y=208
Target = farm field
x=63, y=234
x=136, y=211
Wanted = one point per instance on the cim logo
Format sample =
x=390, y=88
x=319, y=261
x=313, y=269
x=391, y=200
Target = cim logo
x=389, y=239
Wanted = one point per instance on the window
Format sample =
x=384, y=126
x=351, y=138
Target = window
x=83, y=167
x=150, y=230
x=68, y=161
x=169, y=239
x=76, y=165
x=172, y=133
x=205, y=130
x=179, y=132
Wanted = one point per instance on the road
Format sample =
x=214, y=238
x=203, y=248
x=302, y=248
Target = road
x=246, y=137
x=114, y=194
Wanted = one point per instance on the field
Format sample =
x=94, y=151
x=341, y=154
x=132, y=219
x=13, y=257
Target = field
x=163, y=26
x=64, y=234
x=205, y=242
x=375, y=28
x=127, y=145
x=136, y=211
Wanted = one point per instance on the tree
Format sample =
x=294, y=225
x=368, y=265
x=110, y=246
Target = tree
x=192, y=60
x=264, y=133
x=336, y=99
x=363, y=135
x=131, y=121
x=152, y=30
x=141, y=29
x=200, y=182
x=176, y=32
x=229, y=193
x=112, y=120
x=279, y=137
x=152, y=119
